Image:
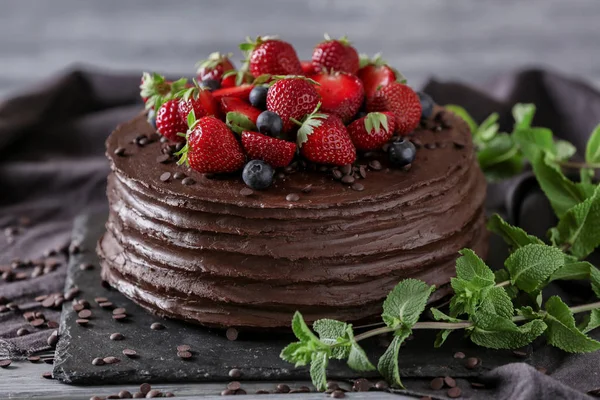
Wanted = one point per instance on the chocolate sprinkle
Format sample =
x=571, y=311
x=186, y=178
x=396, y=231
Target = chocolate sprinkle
x=246, y=191
x=98, y=361
x=307, y=188
x=459, y=355
x=130, y=353
x=437, y=383
x=184, y=347
x=116, y=336
x=5, y=363
x=292, y=197
x=359, y=187
x=232, y=334
x=235, y=385
x=165, y=176
x=82, y=321
x=454, y=392
x=145, y=388
x=157, y=326
x=47, y=375
x=472, y=362
x=188, y=181
x=338, y=394
x=235, y=373
x=120, y=151
x=178, y=175
x=163, y=159
x=449, y=381
x=348, y=179
x=184, y=354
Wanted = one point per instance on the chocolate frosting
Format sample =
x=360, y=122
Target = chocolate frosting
x=207, y=254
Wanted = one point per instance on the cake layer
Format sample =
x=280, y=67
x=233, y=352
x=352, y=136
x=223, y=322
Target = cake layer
x=208, y=254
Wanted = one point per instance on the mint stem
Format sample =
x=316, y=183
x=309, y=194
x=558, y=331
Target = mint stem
x=502, y=284
x=578, y=165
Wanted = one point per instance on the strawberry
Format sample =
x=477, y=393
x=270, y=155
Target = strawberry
x=233, y=104
x=241, y=92
x=375, y=73
x=372, y=131
x=155, y=89
x=275, y=152
x=401, y=100
x=200, y=100
x=211, y=147
x=292, y=98
x=168, y=121
x=309, y=69
x=341, y=93
x=271, y=56
x=337, y=55
x=214, y=67
x=323, y=139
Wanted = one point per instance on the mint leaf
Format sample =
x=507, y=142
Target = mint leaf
x=592, y=151
x=440, y=316
x=592, y=321
x=239, y=123
x=562, y=332
x=301, y=330
x=502, y=275
x=357, y=358
x=497, y=302
x=523, y=115
x=464, y=115
x=497, y=332
x=505, y=169
x=579, y=270
x=563, y=150
x=405, y=303
x=532, y=265
x=579, y=227
x=500, y=148
x=441, y=337
x=473, y=279
x=333, y=332
x=534, y=140
x=297, y=353
x=529, y=313
x=318, y=370
x=469, y=266
x=388, y=362
x=562, y=193
x=514, y=236
x=488, y=128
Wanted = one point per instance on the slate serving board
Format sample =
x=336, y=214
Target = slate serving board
x=255, y=354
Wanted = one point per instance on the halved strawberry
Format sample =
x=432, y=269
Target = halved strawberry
x=341, y=93
x=241, y=92
x=375, y=73
x=233, y=104
x=372, y=131
x=275, y=152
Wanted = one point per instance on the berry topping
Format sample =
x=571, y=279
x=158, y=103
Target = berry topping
x=401, y=100
x=276, y=152
x=233, y=104
x=269, y=123
x=402, y=153
x=341, y=93
x=211, y=147
x=214, y=67
x=155, y=90
x=258, y=174
x=258, y=97
x=372, y=131
x=309, y=69
x=336, y=55
x=168, y=121
x=323, y=139
x=426, y=104
x=271, y=56
x=292, y=98
x=375, y=73
x=241, y=92
x=210, y=84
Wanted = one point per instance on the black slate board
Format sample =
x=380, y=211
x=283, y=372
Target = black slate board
x=256, y=354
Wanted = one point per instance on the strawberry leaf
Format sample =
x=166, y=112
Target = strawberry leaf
x=374, y=121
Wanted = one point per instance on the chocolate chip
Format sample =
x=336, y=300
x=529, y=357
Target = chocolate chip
x=240, y=391
x=119, y=317
x=429, y=146
x=520, y=354
x=331, y=385
x=441, y=145
x=153, y=393
x=179, y=146
x=169, y=394
x=188, y=181
x=37, y=322
x=459, y=355
x=235, y=385
x=477, y=385
x=52, y=324
x=22, y=332
x=338, y=394
x=84, y=303
x=471, y=362
x=292, y=197
x=454, y=392
x=282, y=388
x=227, y=392
x=346, y=169
x=235, y=373
x=303, y=389
x=382, y=385
x=75, y=248
x=459, y=145
x=48, y=360
x=129, y=353
x=98, y=361
x=124, y=394
x=84, y=314
x=165, y=176
x=116, y=336
x=33, y=359
x=120, y=151
x=184, y=354
x=106, y=304
x=163, y=159
x=232, y=334
x=5, y=363
x=163, y=139
x=77, y=307
x=348, y=179
x=178, y=175
x=262, y=391
x=359, y=187
x=145, y=388
x=337, y=174
x=184, y=347
x=542, y=370
x=100, y=300
x=362, y=385
x=307, y=188
x=246, y=191
x=47, y=375
x=138, y=395
x=119, y=310
x=71, y=293
x=111, y=360
x=82, y=321
x=362, y=172
x=157, y=326
x=437, y=383
x=52, y=339
x=39, y=299
x=449, y=381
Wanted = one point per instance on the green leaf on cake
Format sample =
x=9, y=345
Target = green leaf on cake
x=239, y=123
x=405, y=303
x=562, y=332
x=514, y=236
x=388, y=362
x=531, y=266
x=579, y=228
x=523, y=115
x=497, y=332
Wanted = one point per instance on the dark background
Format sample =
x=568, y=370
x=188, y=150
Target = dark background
x=458, y=39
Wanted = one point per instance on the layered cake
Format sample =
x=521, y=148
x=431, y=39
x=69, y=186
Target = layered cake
x=327, y=231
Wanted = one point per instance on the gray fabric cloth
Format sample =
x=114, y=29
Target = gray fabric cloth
x=52, y=167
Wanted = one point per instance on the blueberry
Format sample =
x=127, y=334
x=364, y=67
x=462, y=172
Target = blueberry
x=258, y=97
x=152, y=118
x=210, y=84
x=426, y=104
x=269, y=123
x=402, y=153
x=258, y=174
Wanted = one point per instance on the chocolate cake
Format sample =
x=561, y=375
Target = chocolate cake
x=330, y=242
